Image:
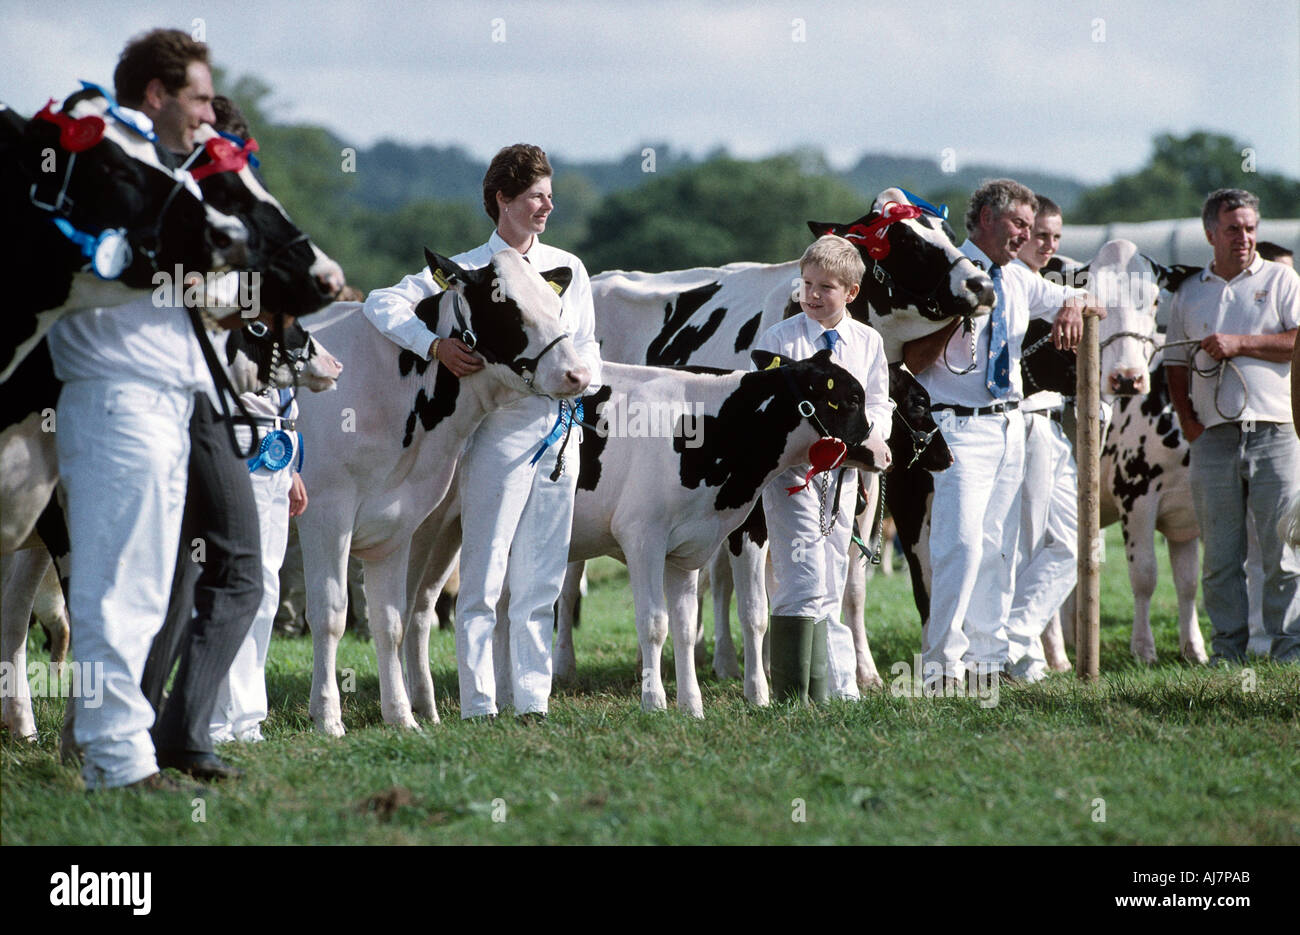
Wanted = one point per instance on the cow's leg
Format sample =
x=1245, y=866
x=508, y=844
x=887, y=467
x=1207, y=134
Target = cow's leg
x=701, y=650
x=645, y=570
x=431, y=563
x=855, y=595
x=325, y=567
x=723, y=583
x=1184, y=563
x=1054, y=645
x=680, y=588
x=22, y=574
x=1139, y=527
x=749, y=574
x=386, y=596
x=562, y=655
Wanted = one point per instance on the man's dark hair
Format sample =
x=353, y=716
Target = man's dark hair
x=511, y=172
x=1047, y=208
x=1229, y=199
x=1272, y=251
x=230, y=119
x=164, y=54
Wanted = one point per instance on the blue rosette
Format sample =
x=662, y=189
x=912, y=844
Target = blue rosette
x=276, y=452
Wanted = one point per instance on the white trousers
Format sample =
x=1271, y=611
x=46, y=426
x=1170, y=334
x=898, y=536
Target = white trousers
x=515, y=525
x=124, y=450
x=810, y=569
x=1049, y=538
x=241, y=700
x=974, y=531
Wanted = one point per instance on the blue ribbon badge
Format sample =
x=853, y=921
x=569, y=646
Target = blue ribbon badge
x=276, y=452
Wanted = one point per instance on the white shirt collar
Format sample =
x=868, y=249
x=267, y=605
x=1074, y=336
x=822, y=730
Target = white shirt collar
x=1255, y=266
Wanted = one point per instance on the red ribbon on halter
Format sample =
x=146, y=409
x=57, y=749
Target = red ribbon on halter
x=825, y=454
x=873, y=234
x=224, y=156
x=76, y=135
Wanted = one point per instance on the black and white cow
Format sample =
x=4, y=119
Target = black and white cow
x=1145, y=458
x=712, y=316
x=94, y=174
x=395, y=435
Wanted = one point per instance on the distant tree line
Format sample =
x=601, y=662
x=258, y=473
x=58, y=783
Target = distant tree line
x=376, y=219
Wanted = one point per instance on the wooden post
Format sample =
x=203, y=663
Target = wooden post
x=1087, y=626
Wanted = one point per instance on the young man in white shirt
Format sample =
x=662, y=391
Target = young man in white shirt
x=515, y=520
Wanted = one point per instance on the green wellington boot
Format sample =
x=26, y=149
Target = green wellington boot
x=792, y=651
x=819, y=679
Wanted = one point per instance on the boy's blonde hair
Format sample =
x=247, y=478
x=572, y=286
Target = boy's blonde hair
x=838, y=257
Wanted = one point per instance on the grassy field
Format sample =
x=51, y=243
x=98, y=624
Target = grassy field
x=1171, y=754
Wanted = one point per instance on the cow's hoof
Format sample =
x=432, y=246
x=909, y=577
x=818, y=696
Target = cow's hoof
x=331, y=727
x=1060, y=665
x=652, y=701
x=870, y=682
x=566, y=675
x=693, y=709
x=726, y=670
x=1146, y=654
x=22, y=729
x=1195, y=655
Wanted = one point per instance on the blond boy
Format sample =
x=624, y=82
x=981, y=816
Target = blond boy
x=812, y=651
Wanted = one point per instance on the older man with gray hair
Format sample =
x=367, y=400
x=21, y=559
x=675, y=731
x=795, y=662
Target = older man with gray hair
x=973, y=377
x=1232, y=328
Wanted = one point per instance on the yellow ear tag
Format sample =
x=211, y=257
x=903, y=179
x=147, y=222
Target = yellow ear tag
x=830, y=384
x=776, y=362
x=559, y=290
x=441, y=278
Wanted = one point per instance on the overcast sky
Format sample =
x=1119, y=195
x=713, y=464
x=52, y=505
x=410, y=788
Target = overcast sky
x=1070, y=87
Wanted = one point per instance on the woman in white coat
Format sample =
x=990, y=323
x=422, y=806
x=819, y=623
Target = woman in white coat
x=515, y=517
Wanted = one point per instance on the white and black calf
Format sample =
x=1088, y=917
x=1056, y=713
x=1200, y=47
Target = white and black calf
x=394, y=436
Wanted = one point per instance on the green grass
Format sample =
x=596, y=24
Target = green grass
x=1178, y=754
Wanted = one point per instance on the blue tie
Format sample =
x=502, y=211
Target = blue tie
x=832, y=337
x=998, y=376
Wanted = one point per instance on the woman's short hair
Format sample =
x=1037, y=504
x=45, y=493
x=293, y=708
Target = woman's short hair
x=511, y=172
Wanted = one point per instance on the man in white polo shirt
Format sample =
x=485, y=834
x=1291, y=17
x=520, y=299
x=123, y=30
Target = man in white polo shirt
x=974, y=525
x=1232, y=329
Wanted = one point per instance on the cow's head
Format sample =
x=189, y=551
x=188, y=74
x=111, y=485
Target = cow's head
x=256, y=361
x=915, y=438
x=509, y=312
x=295, y=277
x=109, y=175
x=830, y=401
x=914, y=268
x=1126, y=284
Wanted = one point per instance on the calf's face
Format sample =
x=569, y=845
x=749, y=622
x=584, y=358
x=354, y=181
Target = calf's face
x=1127, y=285
x=513, y=312
x=915, y=436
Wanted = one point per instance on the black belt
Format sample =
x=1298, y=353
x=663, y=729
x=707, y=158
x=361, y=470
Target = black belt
x=275, y=422
x=992, y=410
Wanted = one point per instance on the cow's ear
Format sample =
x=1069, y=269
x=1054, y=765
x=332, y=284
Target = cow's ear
x=560, y=278
x=1172, y=277
x=821, y=357
x=822, y=228
x=445, y=271
x=765, y=360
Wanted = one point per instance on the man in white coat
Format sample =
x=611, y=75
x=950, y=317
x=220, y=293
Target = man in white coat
x=516, y=512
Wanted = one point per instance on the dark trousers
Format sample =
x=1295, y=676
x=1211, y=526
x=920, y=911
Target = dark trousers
x=215, y=591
